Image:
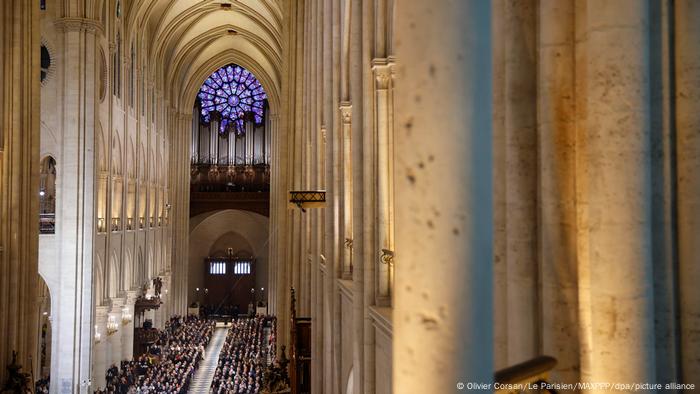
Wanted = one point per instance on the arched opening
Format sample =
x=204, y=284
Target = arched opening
x=228, y=262
x=43, y=366
x=230, y=136
x=47, y=196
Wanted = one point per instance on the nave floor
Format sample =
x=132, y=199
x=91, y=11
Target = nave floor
x=205, y=373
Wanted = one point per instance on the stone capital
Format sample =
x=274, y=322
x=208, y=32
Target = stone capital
x=117, y=304
x=101, y=313
x=345, y=112
x=131, y=296
x=383, y=73
x=70, y=24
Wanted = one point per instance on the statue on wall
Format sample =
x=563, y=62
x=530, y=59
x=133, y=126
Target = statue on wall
x=158, y=284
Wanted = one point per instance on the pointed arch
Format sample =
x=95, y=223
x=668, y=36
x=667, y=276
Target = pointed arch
x=113, y=276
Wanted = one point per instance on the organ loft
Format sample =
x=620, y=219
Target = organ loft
x=349, y=196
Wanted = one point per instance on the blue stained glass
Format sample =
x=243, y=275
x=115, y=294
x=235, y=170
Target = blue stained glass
x=232, y=91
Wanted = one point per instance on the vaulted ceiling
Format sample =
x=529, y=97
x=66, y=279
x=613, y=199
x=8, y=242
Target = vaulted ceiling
x=186, y=40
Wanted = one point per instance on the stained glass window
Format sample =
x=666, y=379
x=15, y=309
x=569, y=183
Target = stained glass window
x=236, y=95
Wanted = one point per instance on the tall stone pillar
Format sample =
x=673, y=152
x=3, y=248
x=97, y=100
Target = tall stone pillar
x=520, y=122
x=115, y=340
x=556, y=140
x=99, y=365
x=614, y=176
x=74, y=325
x=128, y=328
x=19, y=181
x=382, y=69
x=687, y=18
x=346, y=129
x=180, y=200
x=443, y=306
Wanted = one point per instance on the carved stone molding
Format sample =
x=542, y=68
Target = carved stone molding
x=386, y=257
x=348, y=243
x=79, y=24
x=383, y=72
x=346, y=112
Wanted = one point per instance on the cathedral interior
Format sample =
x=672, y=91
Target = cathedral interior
x=349, y=196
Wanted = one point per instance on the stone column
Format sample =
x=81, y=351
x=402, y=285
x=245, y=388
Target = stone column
x=77, y=224
x=500, y=272
x=614, y=175
x=115, y=340
x=180, y=210
x=382, y=70
x=687, y=18
x=520, y=122
x=19, y=181
x=128, y=328
x=346, y=119
x=443, y=305
x=557, y=167
x=99, y=366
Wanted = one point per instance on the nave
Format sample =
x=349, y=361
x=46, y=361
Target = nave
x=424, y=194
x=243, y=350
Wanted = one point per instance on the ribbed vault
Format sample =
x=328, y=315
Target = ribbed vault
x=189, y=39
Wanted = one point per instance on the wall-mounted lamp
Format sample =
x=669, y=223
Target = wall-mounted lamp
x=127, y=317
x=112, y=325
x=98, y=336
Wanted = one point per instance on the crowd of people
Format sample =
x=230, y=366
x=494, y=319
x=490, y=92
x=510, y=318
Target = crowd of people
x=244, y=356
x=170, y=363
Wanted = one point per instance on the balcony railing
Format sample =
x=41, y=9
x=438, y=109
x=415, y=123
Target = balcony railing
x=116, y=224
x=515, y=379
x=47, y=223
x=229, y=178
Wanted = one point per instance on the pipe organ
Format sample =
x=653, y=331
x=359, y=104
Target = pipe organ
x=230, y=148
x=236, y=159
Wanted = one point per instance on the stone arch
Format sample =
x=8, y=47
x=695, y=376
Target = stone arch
x=350, y=384
x=44, y=340
x=140, y=268
x=149, y=266
x=130, y=159
x=127, y=271
x=47, y=185
x=116, y=154
x=101, y=151
x=113, y=276
x=99, y=280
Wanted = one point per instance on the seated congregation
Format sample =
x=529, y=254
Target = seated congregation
x=244, y=356
x=170, y=363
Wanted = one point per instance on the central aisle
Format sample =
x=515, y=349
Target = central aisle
x=205, y=373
